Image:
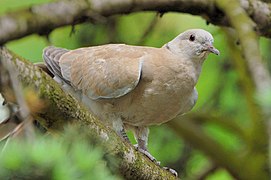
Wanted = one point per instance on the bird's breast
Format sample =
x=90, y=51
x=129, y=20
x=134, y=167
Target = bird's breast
x=160, y=100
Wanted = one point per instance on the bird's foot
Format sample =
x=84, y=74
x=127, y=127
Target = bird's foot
x=146, y=153
x=172, y=171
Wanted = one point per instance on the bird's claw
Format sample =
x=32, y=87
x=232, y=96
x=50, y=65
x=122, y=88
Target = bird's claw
x=172, y=171
x=146, y=153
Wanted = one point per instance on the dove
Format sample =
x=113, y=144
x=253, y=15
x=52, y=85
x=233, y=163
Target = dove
x=134, y=87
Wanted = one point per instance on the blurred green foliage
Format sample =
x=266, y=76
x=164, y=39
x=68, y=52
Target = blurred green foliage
x=218, y=87
x=67, y=157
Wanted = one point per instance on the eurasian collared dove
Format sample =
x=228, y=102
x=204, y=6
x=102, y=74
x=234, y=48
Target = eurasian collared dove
x=133, y=87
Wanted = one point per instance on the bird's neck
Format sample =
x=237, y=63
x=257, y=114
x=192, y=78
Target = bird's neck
x=197, y=65
x=198, y=62
x=194, y=63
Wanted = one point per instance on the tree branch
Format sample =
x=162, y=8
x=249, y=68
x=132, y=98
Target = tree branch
x=233, y=161
x=63, y=108
x=226, y=123
x=42, y=19
x=258, y=73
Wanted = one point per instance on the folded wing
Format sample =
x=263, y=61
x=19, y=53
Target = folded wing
x=108, y=71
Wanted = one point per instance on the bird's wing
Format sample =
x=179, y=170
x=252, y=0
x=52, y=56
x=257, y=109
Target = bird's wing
x=107, y=71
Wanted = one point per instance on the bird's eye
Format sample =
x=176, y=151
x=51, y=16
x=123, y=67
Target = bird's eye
x=192, y=38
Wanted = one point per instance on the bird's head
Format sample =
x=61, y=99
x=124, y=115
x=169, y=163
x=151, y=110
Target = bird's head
x=194, y=43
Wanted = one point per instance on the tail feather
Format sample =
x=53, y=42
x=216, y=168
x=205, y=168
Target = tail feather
x=51, y=56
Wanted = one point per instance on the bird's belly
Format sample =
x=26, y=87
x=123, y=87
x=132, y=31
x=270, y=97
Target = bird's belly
x=158, y=108
x=144, y=107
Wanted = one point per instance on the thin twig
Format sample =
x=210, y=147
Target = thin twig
x=206, y=172
x=148, y=30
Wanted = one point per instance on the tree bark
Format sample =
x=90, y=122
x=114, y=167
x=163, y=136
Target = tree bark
x=42, y=19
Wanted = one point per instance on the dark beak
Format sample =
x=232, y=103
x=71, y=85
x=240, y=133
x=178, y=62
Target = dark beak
x=212, y=49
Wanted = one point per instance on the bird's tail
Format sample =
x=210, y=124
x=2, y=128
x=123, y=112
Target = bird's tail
x=51, y=56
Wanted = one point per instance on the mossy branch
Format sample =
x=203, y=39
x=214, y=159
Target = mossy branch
x=62, y=109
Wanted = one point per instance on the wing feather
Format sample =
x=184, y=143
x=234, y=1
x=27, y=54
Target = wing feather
x=108, y=71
